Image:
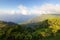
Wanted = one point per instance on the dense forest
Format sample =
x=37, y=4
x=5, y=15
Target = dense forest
x=48, y=29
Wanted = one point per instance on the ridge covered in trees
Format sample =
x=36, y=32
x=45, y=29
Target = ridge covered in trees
x=48, y=29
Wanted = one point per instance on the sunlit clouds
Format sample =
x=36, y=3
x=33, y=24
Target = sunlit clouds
x=43, y=9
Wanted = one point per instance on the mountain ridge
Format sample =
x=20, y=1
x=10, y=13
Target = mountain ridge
x=41, y=18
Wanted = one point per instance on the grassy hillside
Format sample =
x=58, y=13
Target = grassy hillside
x=41, y=18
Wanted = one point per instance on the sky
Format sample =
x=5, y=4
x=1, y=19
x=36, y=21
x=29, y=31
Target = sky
x=29, y=7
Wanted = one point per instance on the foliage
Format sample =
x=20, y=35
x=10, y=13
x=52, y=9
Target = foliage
x=45, y=30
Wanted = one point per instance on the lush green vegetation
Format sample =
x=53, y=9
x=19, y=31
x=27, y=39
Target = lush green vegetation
x=48, y=29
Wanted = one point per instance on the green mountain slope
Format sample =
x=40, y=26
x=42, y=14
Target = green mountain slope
x=46, y=29
x=4, y=24
x=41, y=18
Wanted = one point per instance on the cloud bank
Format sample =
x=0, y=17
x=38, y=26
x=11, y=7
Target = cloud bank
x=36, y=10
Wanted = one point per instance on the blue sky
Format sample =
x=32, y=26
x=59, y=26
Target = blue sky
x=14, y=4
x=19, y=10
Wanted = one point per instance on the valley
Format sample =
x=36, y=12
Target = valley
x=47, y=28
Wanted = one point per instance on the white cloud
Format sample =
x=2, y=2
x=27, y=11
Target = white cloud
x=23, y=10
x=7, y=12
x=44, y=9
x=36, y=10
x=47, y=9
